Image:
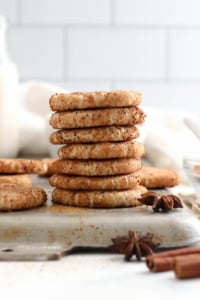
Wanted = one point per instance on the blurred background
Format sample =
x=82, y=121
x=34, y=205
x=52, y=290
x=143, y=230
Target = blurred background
x=152, y=46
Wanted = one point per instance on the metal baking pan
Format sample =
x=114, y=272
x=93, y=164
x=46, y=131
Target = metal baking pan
x=51, y=231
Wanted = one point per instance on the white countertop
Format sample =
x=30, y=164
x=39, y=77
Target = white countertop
x=91, y=276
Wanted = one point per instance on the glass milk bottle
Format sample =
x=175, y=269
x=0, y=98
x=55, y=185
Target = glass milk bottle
x=9, y=106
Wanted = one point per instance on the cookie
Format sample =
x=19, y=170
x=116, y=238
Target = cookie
x=102, y=150
x=14, y=197
x=153, y=177
x=48, y=166
x=99, y=199
x=196, y=169
x=19, y=179
x=95, y=135
x=84, y=100
x=97, y=117
x=20, y=166
x=121, y=182
x=98, y=167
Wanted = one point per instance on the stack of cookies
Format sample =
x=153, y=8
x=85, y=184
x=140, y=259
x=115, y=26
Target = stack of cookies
x=99, y=162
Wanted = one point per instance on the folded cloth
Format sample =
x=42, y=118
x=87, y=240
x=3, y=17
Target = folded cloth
x=34, y=100
x=192, y=201
x=167, y=142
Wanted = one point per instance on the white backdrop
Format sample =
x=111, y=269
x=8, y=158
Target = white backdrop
x=152, y=46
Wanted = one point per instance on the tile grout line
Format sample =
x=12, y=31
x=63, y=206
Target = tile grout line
x=65, y=54
x=114, y=81
x=18, y=12
x=111, y=25
x=112, y=12
x=167, y=54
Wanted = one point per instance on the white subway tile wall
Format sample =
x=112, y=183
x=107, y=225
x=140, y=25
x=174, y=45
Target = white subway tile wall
x=115, y=53
x=65, y=12
x=9, y=9
x=184, y=54
x=152, y=46
x=37, y=51
x=158, y=12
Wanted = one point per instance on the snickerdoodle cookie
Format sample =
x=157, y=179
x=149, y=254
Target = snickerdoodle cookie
x=84, y=100
x=99, y=199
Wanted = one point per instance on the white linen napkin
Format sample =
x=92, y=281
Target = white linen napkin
x=168, y=141
x=34, y=117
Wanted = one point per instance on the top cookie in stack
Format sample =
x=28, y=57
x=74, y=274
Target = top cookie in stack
x=99, y=162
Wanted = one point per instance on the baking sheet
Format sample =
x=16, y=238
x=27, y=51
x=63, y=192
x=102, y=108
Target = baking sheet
x=52, y=231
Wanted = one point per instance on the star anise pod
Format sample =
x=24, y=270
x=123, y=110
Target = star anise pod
x=161, y=202
x=134, y=244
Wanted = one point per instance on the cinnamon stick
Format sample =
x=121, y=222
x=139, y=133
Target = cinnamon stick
x=187, y=266
x=163, y=261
